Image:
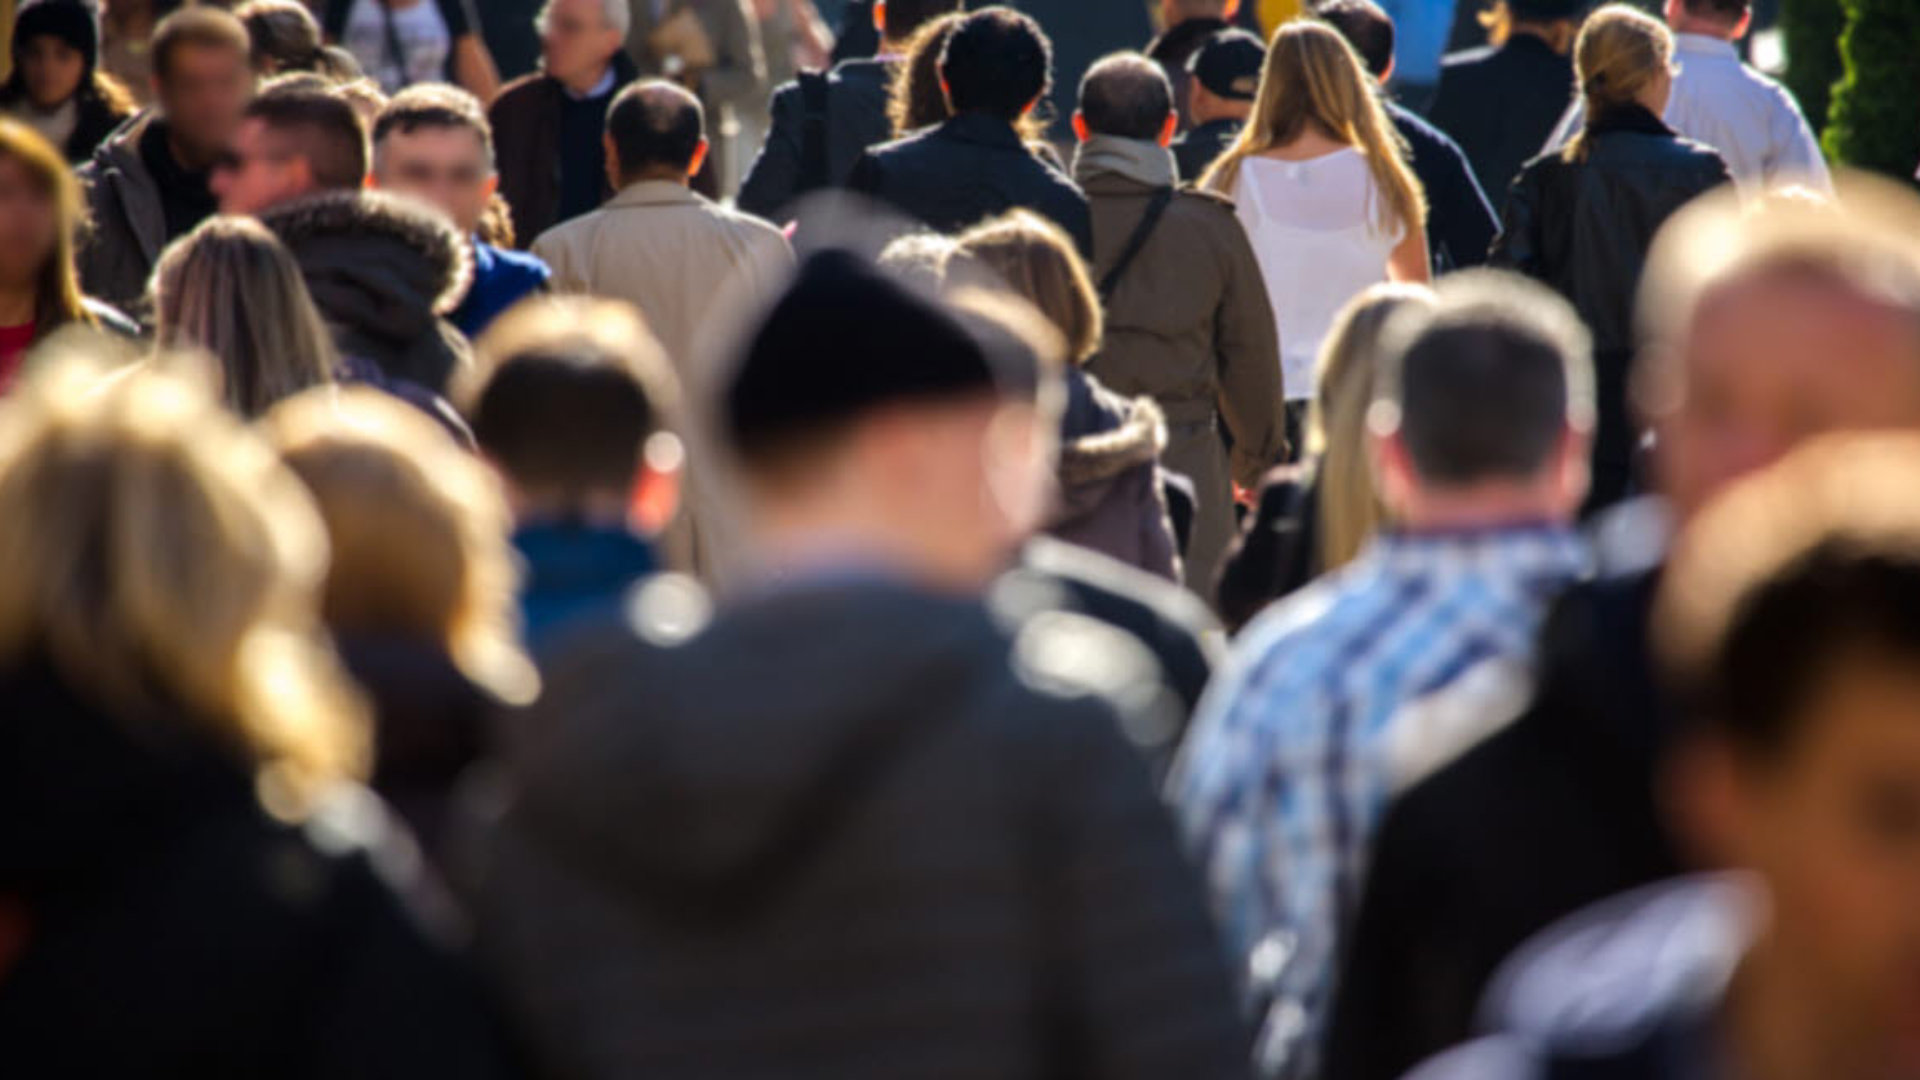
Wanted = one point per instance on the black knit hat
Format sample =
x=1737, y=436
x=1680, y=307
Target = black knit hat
x=845, y=338
x=1229, y=64
x=76, y=22
x=1548, y=10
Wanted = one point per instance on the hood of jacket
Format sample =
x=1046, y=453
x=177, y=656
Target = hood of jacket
x=383, y=265
x=1103, y=436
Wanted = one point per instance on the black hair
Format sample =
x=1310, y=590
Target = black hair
x=997, y=61
x=1365, y=26
x=323, y=126
x=1126, y=95
x=655, y=125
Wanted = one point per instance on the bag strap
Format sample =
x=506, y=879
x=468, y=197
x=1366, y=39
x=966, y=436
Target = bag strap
x=814, y=169
x=1141, y=232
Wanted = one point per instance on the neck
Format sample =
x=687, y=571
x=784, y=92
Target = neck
x=1235, y=112
x=802, y=536
x=19, y=304
x=1482, y=507
x=600, y=510
x=187, y=157
x=1557, y=36
x=1776, y=1033
x=1713, y=28
x=584, y=84
x=656, y=176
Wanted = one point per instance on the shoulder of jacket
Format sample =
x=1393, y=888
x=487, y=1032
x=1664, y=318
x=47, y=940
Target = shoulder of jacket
x=519, y=89
x=1063, y=655
x=1192, y=194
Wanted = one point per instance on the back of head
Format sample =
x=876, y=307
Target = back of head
x=906, y=17
x=1485, y=386
x=171, y=571
x=1034, y=260
x=230, y=288
x=285, y=37
x=196, y=26
x=418, y=530
x=564, y=396
x=1619, y=53
x=1126, y=96
x=916, y=100
x=432, y=106
x=657, y=128
x=998, y=62
x=320, y=126
x=1366, y=27
x=1728, y=13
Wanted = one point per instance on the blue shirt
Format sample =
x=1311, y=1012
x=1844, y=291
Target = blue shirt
x=501, y=279
x=576, y=573
x=1332, y=701
x=1420, y=32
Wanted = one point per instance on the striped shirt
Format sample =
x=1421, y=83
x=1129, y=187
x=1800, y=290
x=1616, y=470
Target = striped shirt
x=1332, y=702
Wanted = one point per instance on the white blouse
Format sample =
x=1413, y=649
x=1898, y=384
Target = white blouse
x=1314, y=230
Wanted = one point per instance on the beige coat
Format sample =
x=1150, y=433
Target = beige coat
x=697, y=271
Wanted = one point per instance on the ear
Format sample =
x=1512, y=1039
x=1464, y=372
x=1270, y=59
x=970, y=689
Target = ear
x=1080, y=129
x=491, y=185
x=1031, y=105
x=1703, y=798
x=655, y=498
x=1387, y=75
x=613, y=161
x=699, y=158
x=1393, y=471
x=880, y=17
x=1745, y=24
x=1573, y=472
x=1231, y=10
x=1168, y=129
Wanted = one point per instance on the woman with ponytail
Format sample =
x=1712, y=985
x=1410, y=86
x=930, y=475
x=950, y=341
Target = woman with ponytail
x=1321, y=182
x=1581, y=219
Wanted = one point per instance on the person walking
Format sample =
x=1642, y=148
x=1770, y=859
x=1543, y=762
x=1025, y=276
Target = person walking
x=56, y=86
x=1189, y=24
x=402, y=42
x=1500, y=102
x=1224, y=79
x=1582, y=219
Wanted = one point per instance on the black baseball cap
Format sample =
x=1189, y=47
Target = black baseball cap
x=1229, y=64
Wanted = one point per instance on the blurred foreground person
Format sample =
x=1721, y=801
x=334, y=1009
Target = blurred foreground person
x=1763, y=327
x=1581, y=219
x=40, y=219
x=421, y=592
x=434, y=143
x=190, y=886
x=1187, y=316
x=56, y=86
x=1341, y=696
x=149, y=183
x=1787, y=617
x=570, y=400
x=904, y=843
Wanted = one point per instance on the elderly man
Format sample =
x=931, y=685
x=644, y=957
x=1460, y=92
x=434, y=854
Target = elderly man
x=547, y=127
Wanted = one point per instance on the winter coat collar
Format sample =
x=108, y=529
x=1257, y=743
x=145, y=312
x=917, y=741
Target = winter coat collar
x=981, y=128
x=1630, y=117
x=1148, y=163
x=655, y=193
x=416, y=257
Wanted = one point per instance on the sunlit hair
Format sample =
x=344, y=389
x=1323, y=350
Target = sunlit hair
x=286, y=37
x=1619, y=53
x=1314, y=81
x=418, y=529
x=1500, y=22
x=231, y=289
x=1350, y=510
x=57, y=297
x=916, y=100
x=166, y=564
x=1031, y=256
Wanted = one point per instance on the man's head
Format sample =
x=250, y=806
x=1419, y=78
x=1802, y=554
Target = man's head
x=1790, y=619
x=578, y=38
x=656, y=130
x=202, y=78
x=1175, y=12
x=1483, y=406
x=1729, y=19
x=1226, y=77
x=921, y=437
x=1126, y=96
x=899, y=20
x=1367, y=28
x=998, y=62
x=291, y=143
x=432, y=141
x=569, y=398
x=1762, y=326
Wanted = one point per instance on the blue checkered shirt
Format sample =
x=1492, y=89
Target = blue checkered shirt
x=1332, y=701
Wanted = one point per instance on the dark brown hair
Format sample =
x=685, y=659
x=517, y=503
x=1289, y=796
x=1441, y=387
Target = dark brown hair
x=204, y=27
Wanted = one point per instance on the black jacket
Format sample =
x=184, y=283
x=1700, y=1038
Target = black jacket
x=854, y=120
x=849, y=830
x=968, y=169
x=1553, y=813
x=526, y=132
x=127, y=221
x=1584, y=228
x=1197, y=147
x=1278, y=550
x=168, y=927
x=1501, y=104
x=1460, y=223
x=1174, y=48
x=383, y=271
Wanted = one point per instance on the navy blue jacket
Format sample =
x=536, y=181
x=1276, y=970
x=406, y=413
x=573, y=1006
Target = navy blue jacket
x=576, y=574
x=501, y=279
x=856, y=120
x=1460, y=222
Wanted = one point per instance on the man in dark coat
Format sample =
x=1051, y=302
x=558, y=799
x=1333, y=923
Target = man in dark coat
x=822, y=123
x=1460, y=223
x=889, y=838
x=148, y=184
x=1190, y=25
x=1223, y=77
x=1500, y=103
x=975, y=165
x=1786, y=330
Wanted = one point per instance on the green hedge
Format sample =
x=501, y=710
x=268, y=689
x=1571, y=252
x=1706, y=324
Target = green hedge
x=1812, y=31
x=1875, y=119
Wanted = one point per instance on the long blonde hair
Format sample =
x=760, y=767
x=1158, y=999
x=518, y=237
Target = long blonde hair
x=166, y=565
x=1350, y=510
x=1314, y=80
x=1034, y=258
x=418, y=528
x=1620, y=51
x=231, y=288
x=57, y=297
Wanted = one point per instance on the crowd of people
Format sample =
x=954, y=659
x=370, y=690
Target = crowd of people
x=616, y=539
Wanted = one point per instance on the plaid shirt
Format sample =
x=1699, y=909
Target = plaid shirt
x=1333, y=701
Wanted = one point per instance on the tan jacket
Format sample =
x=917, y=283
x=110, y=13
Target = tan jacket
x=693, y=268
x=1190, y=326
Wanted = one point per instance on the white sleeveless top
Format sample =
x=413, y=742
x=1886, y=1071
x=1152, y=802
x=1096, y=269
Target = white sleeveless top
x=1313, y=230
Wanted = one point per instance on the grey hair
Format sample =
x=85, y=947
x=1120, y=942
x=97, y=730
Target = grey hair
x=616, y=13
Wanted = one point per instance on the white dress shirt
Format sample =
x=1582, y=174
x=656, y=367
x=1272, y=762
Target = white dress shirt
x=1749, y=118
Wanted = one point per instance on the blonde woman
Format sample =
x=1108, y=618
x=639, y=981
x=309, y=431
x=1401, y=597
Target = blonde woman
x=1322, y=184
x=230, y=289
x=421, y=596
x=1312, y=521
x=187, y=875
x=1582, y=220
x=1111, y=498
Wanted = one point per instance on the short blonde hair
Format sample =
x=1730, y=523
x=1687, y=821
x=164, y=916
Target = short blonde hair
x=165, y=562
x=1033, y=258
x=419, y=530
